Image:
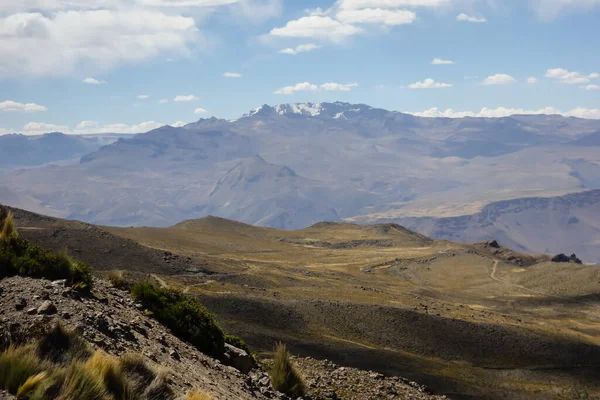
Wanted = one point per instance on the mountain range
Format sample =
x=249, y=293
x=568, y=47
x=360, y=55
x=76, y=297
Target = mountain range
x=292, y=165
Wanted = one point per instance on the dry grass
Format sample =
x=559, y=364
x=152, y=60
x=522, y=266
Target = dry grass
x=108, y=369
x=17, y=364
x=159, y=388
x=118, y=280
x=284, y=376
x=8, y=226
x=197, y=395
x=31, y=385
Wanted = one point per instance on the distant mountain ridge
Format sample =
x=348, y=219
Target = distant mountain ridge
x=320, y=161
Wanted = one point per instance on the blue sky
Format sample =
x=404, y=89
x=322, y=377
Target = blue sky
x=87, y=66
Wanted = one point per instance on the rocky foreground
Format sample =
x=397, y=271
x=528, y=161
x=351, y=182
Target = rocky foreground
x=110, y=319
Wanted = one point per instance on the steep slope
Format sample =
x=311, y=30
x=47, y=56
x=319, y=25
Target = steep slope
x=260, y=193
x=566, y=224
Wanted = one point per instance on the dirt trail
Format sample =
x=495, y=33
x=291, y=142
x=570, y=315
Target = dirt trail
x=161, y=281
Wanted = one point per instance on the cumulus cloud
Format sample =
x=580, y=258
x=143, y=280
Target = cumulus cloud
x=376, y=16
x=13, y=106
x=232, y=75
x=338, y=87
x=143, y=96
x=38, y=128
x=298, y=87
x=429, y=84
x=357, y=4
x=568, y=77
x=549, y=9
x=303, y=48
x=314, y=26
x=498, y=79
x=186, y=98
x=309, y=87
x=532, y=80
x=467, y=18
x=505, y=112
x=199, y=110
x=178, y=124
x=93, y=81
x=56, y=43
x=591, y=87
x=439, y=61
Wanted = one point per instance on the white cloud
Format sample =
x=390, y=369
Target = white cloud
x=13, y=106
x=309, y=87
x=143, y=96
x=439, y=61
x=189, y=97
x=163, y=101
x=338, y=87
x=591, y=87
x=38, y=128
x=376, y=16
x=532, y=80
x=568, y=77
x=93, y=81
x=357, y=4
x=199, y=110
x=232, y=75
x=505, y=112
x=187, y=3
x=178, y=124
x=466, y=18
x=429, y=84
x=314, y=26
x=298, y=87
x=37, y=44
x=548, y=9
x=498, y=79
x=303, y=48
x=88, y=127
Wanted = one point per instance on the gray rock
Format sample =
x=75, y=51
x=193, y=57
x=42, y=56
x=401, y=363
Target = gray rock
x=20, y=304
x=238, y=359
x=47, y=308
x=32, y=311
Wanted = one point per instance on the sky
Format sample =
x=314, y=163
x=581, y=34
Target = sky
x=128, y=66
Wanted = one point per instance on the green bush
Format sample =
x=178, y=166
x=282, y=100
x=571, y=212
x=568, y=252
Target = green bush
x=238, y=342
x=284, y=376
x=19, y=257
x=183, y=315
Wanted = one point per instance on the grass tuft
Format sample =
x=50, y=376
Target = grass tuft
x=17, y=364
x=138, y=372
x=7, y=225
x=284, y=376
x=81, y=383
x=197, y=395
x=31, y=385
x=108, y=369
x=118, y=280
x=159, y=388
x=61, y=346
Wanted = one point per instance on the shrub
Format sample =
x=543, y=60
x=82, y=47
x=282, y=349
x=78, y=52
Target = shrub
x=284, y=376
x=183, y=315
x=61, y=346
x=237, y=342
x=19, y=257
x=197, y=395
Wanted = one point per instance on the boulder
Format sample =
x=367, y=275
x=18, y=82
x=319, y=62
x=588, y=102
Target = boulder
x=238, y=359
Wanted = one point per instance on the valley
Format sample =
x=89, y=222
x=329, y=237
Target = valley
x=472, y=321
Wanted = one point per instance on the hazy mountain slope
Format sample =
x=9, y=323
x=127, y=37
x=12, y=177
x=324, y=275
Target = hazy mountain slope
x=567, y=224
x=348, y=161
x=21, y=150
